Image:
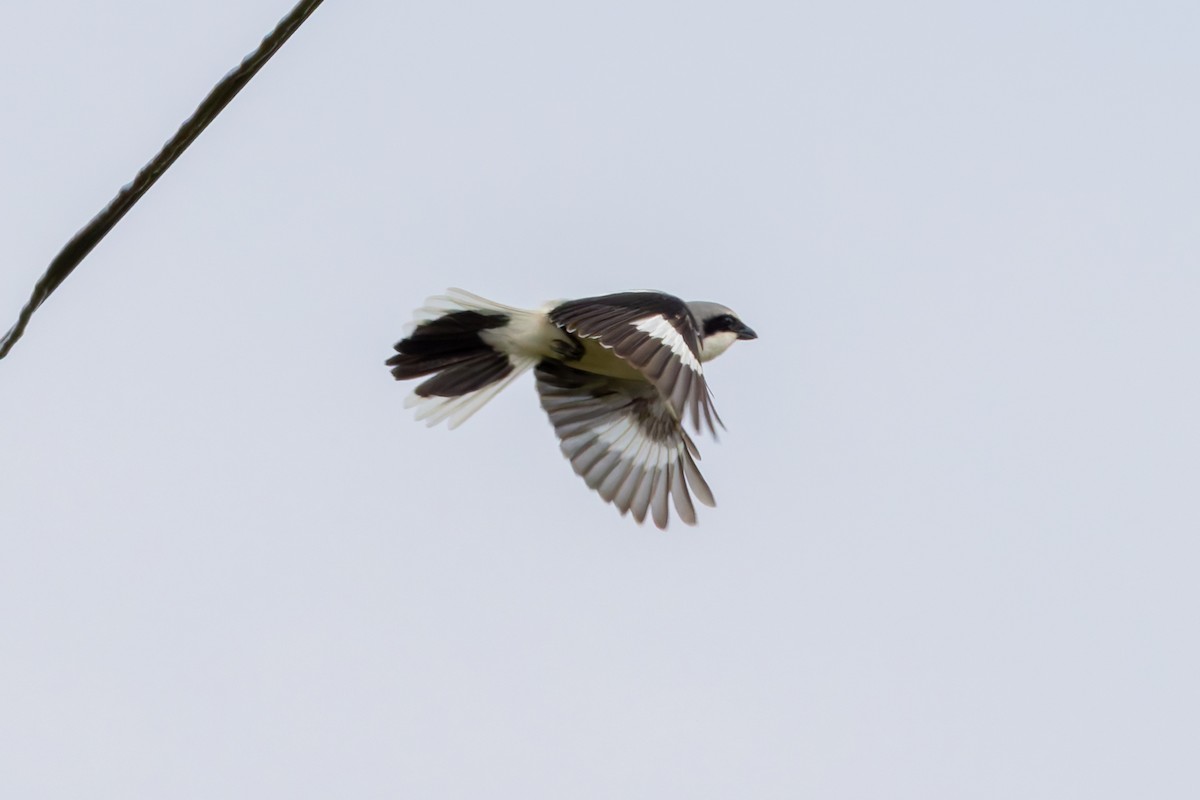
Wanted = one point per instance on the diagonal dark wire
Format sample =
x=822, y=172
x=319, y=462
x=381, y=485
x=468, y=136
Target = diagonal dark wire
x=90, y=235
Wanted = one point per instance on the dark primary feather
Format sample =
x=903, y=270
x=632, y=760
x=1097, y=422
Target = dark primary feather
x=623, y=440
x=612, y=320
x=611, y=310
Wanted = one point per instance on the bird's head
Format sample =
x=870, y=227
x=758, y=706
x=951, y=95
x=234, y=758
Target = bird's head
x=719, y=328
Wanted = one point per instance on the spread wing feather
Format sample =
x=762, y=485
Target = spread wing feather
x=657, y=335
x=624, y=441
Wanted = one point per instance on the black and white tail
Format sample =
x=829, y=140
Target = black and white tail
x=454, y=341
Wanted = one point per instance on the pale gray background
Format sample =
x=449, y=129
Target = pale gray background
x=956, y=549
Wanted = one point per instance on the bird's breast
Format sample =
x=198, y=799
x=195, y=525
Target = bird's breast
x=600, y=360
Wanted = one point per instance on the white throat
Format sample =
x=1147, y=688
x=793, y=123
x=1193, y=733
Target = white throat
x=714, y=344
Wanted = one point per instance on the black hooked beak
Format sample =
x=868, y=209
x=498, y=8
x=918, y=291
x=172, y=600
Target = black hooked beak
x=744, y=331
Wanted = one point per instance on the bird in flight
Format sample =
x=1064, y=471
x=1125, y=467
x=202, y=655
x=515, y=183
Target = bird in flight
x=617, y=375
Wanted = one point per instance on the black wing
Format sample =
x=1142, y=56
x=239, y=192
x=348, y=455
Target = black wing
x=623, y=440
x=657, y=335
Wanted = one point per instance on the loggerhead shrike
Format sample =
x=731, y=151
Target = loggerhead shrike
x=617, y=374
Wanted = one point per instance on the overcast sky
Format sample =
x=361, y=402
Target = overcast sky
x=956, y=545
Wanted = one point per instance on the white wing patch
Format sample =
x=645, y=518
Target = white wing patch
x=660, y=328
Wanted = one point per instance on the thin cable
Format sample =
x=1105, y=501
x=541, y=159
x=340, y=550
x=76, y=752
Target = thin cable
x=90, y=235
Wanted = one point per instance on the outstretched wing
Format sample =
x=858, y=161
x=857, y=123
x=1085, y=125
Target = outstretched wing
x=657, y=335
x=624, y=441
